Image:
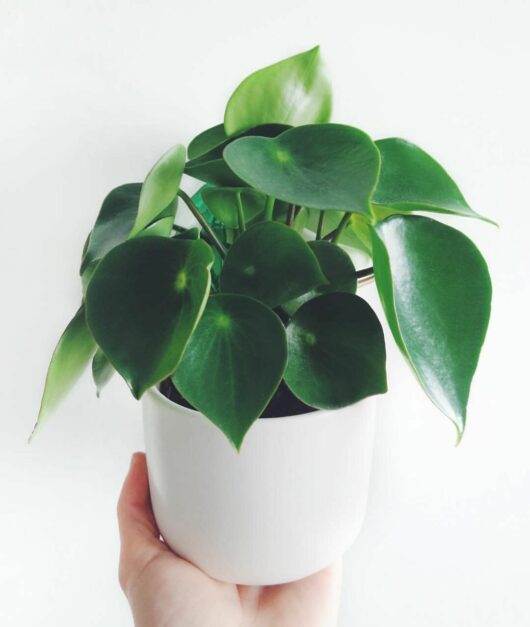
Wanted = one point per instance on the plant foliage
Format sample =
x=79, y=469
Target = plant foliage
x=263, y=293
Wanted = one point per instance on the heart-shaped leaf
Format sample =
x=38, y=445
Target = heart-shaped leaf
x=294, y=91
x=271, y=263
x=338, y=269
x=227, y=203
x=234, y=363
x=69, y=360
x=160, y=187
x=436, y=292
x=322, y=166
x=211, y=167
x=336, y=351
x=102, y=371
x=143, y=302
x=206, y=141
x=114, y=222
x=411, y=180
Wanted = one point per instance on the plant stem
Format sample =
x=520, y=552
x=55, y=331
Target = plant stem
x=269, y=208
x=203, y=222
x=291, y=212
x=320, y=225
x=340, y=229
x=365, y=276
x=240, y=214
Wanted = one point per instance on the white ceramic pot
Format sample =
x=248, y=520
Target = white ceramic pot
x=289, y=504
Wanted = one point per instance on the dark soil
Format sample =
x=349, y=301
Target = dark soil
x=283, y=403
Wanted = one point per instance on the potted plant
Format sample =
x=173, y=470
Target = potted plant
x=257, y=361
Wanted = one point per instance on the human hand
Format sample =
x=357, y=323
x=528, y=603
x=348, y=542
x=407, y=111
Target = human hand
x=165, y=590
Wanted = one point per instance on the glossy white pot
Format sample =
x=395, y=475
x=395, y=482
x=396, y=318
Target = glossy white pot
x=289, y=504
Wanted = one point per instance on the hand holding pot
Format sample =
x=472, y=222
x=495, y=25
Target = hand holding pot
x=167, y=591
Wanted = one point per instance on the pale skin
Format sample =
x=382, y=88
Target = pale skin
x=165, y=590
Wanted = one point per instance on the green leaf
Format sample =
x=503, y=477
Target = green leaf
x=322, y=166
x=338, y=269
x=271, y=263
x=113, y=224
x=160, y=187
x=336, y=351
x=69, y=360
x=436, y=291
x=294, y=91
x=211, y=167
x=223, y=203
x=234, y=363
x=144, y=301
x=206, y=141
x=102, y=371
x=411, y=180
x=183, y=233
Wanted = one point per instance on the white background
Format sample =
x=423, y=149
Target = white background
x=92, y=93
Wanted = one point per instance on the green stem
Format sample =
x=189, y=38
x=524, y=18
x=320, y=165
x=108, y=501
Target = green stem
x=240, y=214
x=202, y=221
x=269, y=208
x=320, y=225
x=340, y=229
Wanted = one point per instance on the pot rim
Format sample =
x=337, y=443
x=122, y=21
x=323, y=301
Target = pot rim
x=318, y=414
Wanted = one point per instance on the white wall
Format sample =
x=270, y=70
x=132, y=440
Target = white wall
x=92, y=93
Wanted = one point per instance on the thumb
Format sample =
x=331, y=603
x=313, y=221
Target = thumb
x=139, y=534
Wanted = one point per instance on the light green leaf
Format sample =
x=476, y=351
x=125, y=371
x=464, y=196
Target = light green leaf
x=436, y=292
x=143, y=303
x=234, y=363
x=160, y=187
x=294, y=91
x=357, y=233
x=271, y=263
x=102, y=371
x=336, y=351
x=69, y=360
x=322, y=166
x=411, y=180
x=224, y=202
x=206, y=141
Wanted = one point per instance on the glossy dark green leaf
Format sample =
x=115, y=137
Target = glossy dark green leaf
x=102, y=371
x=69, y=360
x=411, y=180
x=224, y=203
x=114, y=222
x=271, y=263
x=143, y=302
x=234, y=363
x=294, y=91
x=436, y=291
x=338, y=269
x=323, y=166
x=336, y=351
x=206, y=141
x=160, y=187
x=211, y=167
